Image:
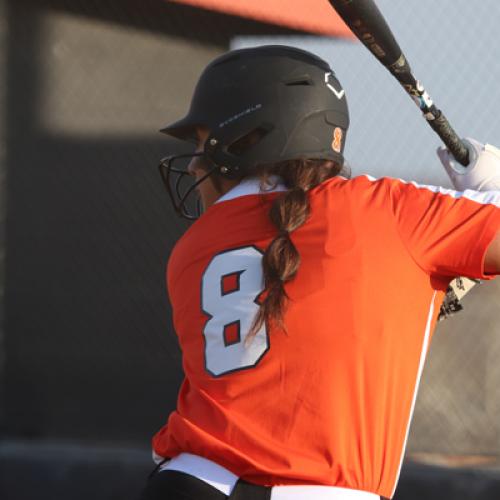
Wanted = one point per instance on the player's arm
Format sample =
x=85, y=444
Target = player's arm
x=447, y=233
x=492, y=258
x=482, y=174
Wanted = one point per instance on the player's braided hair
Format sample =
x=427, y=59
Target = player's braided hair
x=288, y=212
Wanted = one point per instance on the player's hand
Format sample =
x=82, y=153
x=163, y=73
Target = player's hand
x=483, y=171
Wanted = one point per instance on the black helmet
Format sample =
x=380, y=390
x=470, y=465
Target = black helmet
x=287, y=98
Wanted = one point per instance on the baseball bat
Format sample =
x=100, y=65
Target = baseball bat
x=369, y=25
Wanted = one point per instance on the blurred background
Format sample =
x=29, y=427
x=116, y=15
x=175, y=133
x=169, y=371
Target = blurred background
x=89, y=365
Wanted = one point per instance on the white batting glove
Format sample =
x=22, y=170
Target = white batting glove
x=483, y=171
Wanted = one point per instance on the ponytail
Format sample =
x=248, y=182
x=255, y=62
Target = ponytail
x=281, y=260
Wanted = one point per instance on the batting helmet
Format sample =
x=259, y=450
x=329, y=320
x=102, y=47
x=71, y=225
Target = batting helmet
x=287, y=99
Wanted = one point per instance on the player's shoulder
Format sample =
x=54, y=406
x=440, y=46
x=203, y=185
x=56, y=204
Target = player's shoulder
x=361, y=181
x=365, y=192
x=393, y=191
x=361, y=186
x=366, y=182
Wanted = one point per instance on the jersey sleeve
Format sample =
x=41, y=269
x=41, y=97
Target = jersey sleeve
x=446, y=232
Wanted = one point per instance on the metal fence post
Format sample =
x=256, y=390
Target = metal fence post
x=3, y=170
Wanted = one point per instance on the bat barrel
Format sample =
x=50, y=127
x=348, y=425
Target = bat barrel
x=369, y=25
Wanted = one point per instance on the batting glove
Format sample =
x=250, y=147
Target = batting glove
x=483, y=171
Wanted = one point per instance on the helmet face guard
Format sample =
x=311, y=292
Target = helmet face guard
x=181, y=186
x=265, y=105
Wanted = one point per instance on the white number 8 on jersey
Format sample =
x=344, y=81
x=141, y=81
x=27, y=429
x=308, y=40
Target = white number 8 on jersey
x=230, y=287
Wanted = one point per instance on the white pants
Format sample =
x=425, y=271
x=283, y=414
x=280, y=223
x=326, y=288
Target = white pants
x=224, y=480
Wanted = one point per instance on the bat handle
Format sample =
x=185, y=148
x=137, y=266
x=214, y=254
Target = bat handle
x=452, y=141
x=402, y=72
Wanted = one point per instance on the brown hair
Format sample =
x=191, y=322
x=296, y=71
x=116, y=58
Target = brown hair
x=288, y=212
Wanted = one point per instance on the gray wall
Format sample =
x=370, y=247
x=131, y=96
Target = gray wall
x=89, y=350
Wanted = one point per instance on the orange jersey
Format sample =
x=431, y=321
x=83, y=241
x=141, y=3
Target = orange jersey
x=329, y=402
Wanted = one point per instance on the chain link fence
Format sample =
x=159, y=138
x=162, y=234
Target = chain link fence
x=89, y=354
x=453, y=45
x=452, y=48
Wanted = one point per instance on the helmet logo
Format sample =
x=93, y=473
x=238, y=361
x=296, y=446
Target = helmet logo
x=338, y=93
x=337, y=140
x=239, y=115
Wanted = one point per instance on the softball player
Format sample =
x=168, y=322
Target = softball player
x=302, y=354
